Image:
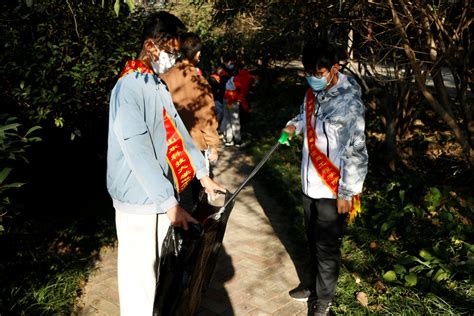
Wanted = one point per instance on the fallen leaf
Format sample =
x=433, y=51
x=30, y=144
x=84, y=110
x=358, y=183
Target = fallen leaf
x=363, y=299
x=356, y=277
x=393, y=236
x=380, y=287
x=373, y=245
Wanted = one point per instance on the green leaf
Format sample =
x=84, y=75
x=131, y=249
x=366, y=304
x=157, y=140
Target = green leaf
x=471, y=248
x=59, y=121
x=385, y=227
x=399, y=269
x=446, y=216
x=402, y=195
x=411, y=279
x=407, y=259
x=419, y=268
x=425, y=254
x=117, y=7
x=392, y=185
x=131, y=5
x=433, y=199
x=4, y=174
x=440, y=275
x=34, y=139
x=390, y=276
x=12, y=185
x=409, y=208
x=31, y=130
x=13, y=126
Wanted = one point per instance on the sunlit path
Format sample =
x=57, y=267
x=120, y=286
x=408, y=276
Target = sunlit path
x=254, y=271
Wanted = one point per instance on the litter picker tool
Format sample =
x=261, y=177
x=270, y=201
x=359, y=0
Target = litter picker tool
x=282, y=140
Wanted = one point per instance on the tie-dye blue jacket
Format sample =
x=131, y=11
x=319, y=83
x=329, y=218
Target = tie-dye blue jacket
x=339, y=124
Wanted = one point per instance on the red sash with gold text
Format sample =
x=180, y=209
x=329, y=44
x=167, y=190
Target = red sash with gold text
x=328, y=172
x=177, y=156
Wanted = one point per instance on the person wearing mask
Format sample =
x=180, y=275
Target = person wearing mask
x=333, y=168
x=236, y=105
x=150, y=160
x=192, y=97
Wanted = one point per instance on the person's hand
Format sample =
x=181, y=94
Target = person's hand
x=179, y=217
x=211, y=187
x=213, y=155
x=286, y=135
x=343, y=206
x=290, y=129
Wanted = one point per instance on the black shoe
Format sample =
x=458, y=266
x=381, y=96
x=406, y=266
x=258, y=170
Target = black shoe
x=321, y=308
x=301, y=294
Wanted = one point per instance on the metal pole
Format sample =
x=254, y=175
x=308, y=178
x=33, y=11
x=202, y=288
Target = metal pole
x=252, y=174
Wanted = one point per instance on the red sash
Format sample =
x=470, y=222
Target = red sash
x=135, y=65
x=177, y=156
x=328, y=172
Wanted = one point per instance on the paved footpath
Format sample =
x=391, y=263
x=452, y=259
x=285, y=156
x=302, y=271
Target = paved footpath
x=256, y=266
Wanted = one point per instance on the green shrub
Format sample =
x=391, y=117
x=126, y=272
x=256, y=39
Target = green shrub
x=13, y=147
x=60, y=60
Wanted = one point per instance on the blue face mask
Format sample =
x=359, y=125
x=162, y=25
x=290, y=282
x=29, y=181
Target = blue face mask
x=317, y=84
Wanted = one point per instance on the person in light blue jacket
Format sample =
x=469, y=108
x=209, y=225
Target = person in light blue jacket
x=150, y=159
x=333, y=167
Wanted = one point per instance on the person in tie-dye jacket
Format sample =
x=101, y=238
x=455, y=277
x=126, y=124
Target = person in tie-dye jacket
x=333, y=168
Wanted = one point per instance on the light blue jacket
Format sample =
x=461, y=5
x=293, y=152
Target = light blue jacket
x=139, y=179
x=339, y=124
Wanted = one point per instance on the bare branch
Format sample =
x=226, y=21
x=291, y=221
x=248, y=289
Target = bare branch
x=74, y=17
x=450, y=121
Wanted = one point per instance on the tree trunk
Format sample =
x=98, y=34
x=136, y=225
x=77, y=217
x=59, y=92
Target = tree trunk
x=442, y=112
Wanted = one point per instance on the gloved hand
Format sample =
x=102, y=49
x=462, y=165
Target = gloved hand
x=286, y=135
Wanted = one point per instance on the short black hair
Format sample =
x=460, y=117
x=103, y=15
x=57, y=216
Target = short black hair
x=318, y=54
x=190, y=45
x=162, y=26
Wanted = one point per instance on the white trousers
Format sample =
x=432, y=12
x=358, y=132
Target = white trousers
x=231, y=123
x=140, y=238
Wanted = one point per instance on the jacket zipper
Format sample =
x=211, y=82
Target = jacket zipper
x=327, y=139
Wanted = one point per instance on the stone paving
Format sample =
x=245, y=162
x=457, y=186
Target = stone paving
x=258, y=263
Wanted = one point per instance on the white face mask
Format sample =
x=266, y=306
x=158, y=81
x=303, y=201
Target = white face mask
x=164, y=63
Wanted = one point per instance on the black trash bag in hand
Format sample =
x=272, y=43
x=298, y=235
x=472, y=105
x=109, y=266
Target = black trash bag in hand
x=189, y=258
x=177, y=263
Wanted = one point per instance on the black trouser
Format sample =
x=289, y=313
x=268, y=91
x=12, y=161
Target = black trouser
x=324, y=229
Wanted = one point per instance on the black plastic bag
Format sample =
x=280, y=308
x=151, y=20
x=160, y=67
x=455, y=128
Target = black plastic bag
x=189, y=258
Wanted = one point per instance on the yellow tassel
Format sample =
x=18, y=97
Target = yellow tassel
x=356, y=208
